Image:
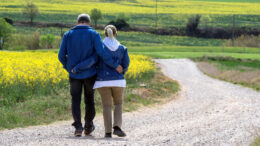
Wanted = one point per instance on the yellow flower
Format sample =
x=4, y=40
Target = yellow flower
x=34, y=68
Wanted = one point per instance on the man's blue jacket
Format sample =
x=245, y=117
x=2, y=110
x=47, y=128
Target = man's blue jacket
x=80, y=44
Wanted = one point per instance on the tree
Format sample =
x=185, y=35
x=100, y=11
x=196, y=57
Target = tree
x=31, y=11
x=192, y=25
x=5, y=32
x=95, y=15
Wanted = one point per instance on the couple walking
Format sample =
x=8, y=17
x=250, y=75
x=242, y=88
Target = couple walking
x=93, y=64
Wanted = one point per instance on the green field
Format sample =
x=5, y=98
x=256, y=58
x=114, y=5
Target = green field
x=142, y=12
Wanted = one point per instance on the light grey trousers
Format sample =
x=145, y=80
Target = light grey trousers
x=110, y=95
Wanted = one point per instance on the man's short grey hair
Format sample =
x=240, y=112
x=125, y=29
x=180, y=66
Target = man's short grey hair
x=83, y=18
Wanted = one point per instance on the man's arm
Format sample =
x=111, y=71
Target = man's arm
x=126, y=61
x=63, y=52
x=85, y=64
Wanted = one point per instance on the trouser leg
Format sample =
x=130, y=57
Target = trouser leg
x=106, y=96
x=89, y=100
x=117, y=94
x=75, y=91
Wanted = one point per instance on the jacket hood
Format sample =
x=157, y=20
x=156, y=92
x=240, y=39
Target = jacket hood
x=111, y=44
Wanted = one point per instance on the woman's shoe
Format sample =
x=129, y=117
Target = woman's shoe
x=119, y=132
x=108, y=135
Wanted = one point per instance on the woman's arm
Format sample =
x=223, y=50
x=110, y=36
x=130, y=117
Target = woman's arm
x=88, y=63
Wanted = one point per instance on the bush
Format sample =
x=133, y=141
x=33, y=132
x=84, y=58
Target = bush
x=8, y=20
x=121, y=22
x=192, y=25
x=47, y=41
x=22, y=41
x=245, y=41
x=5, y=32
x=33, y=41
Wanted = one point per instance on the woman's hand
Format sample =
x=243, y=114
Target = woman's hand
x=119, y=69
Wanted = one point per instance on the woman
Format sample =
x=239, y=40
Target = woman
x=110, y=84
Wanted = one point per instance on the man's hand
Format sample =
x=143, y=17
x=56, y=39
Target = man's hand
x=119, y=69
x=72, y=71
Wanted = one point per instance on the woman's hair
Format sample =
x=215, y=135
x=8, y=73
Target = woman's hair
x=110, y=31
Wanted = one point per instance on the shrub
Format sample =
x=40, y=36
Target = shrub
x=47, y=41
x=22, y=41
x=8, y=20
x=5, y=32
x=33, y=41
x=192, y=25
x=121, y=22
x=245, y=41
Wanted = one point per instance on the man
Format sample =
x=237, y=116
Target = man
x=81, y=44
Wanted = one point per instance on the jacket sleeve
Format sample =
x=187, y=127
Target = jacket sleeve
x=88, y=63
x=125, y=61
x=63, y=52
x=104, y=55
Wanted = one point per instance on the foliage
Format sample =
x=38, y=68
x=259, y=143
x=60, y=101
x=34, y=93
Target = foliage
x=139, y=65
x=5, y=32
x=95, y=14
x=245, y=41
x=31, y=11
x=8, y=20
x=192, y=25
x=32, y=42
x=24, y=41
x=47, y=41
x=121, y=21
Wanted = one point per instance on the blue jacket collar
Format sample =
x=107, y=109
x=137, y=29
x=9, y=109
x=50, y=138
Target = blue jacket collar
x=82, y=27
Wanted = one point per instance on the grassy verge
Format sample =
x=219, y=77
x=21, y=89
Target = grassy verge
x=256, y=142
x=165, y=55
x=153, y=88
x=243, y=72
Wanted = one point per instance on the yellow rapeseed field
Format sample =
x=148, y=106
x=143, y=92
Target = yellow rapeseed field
x=139, y=6
x=34, y=68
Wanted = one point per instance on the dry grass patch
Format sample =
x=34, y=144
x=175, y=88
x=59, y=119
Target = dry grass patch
x=245, y=76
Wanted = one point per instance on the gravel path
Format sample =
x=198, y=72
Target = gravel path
x=209, y=112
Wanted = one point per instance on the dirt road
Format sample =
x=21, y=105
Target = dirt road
x=208, y=112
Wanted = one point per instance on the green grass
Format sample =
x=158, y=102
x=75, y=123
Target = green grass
x=131, y=39
x=236, y=64
x=39, y=109
x=165, y=55
x=256, y=142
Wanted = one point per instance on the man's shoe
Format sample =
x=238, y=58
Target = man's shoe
x=78, y=132
x=108, y=135
x=89, y=130
x=119, y=132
